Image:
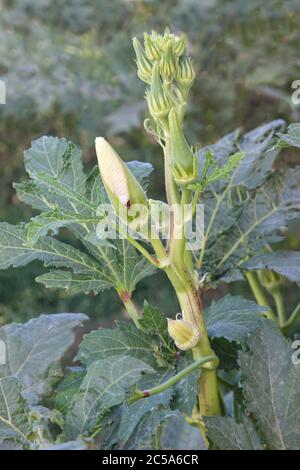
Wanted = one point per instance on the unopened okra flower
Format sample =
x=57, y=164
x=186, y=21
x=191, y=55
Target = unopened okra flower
x=184, y=333
x=123, y=189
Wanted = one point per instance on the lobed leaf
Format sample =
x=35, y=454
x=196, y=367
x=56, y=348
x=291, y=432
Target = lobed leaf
x=104, y=386
x=233, y=317
x=227, y=434
x=271, y=384
x=286, y=263
x=34, y=350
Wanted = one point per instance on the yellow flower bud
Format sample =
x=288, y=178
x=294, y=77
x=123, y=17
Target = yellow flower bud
x=143, y=63
x=185, y=73
x=121, y=186
x=184, y=333
x=180, y=45
x=159, y=105
x=169, y=62
x=151, y=46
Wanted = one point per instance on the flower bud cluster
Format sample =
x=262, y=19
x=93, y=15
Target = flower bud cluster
x=164, y=59
x=165, y=66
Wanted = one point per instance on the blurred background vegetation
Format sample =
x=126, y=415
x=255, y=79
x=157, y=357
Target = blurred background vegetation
x=69, y=70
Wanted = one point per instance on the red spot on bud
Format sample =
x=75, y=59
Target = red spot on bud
x=146, y=393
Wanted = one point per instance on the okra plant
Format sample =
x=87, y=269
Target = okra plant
x=228, y=375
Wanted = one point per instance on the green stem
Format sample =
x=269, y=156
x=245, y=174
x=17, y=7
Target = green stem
x=280, y=307
x=295, y=314
x=259, y=294
x=191, y=305
x=143, y=251
x=195, y=201
x=130, y=307
x=139, y=394
x=171, y=188
x=138, y=246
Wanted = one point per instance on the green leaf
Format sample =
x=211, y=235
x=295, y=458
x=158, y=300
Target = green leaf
x=227, y=434
x=57, y=178
x=271, y=385
x=34, y=348
x=59, y=187
x=263, y=219
x=155, y=323
x=78, y=444
x=250, y=210
x=67, y=388
x=149, y=431
x=212, y=173
x=260, y=153
x=77, y=283
x=104, y=386
x=131, y=267
x=142, y=171
x=227, y=352
x=14, y=423
x=179, y=435
x=187, y=389
x=52, y=221
x=133, y=414
x=16, y=250
x=286, y=263
x=124, y=340
x=291, y=138
x=233, y=317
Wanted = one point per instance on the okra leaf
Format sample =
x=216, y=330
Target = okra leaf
x=155, y=323
x=59, y=187
x=250, y=210
x=227, y=434
x=104, y=386
x=52, y=221
x=227, y=352
x=34, y=350
x=148, y=433
x=77, y=283
x=132, y=414
x=261, y=151
x=130, y=267
x=271, y=386
x=292, y=137
x=233, y=317
x=179, y=435
x=57, y=178
x=17, y=250
x=14, y=424
x=125, y=339
x=263, y=219
x=286, y=263
x=187, y=389
x=142, y=171
x=67, y=388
